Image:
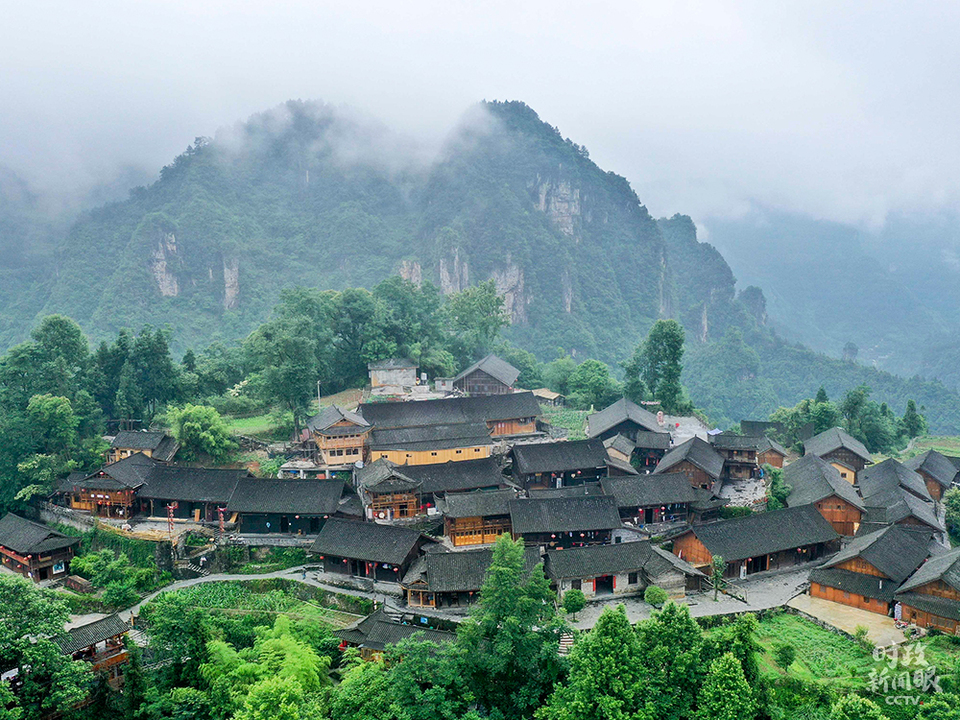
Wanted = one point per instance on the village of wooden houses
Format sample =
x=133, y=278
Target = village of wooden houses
x=399, y=499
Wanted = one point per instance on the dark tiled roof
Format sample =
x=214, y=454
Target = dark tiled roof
x=856, y=583
x=569, y=491
x=480, y=503
x=384, y=476
x=895, y=505
x=558, y=456
x=462, y=571
x=647, y=490
x=764, y=533
x=379, y=630
x=129, y=473
x=365, y=541
x=730, y=441
x=895, y=551
x=29, y=538
x=812, y=479
x=488, y=408
x=767, y=444
x=706, y=500
x=392, y=364
x=331, y=415
x=696, y=451
x=596, y=560
x=653, y=440
x=944, y=567
x=935, y=465
x=618, y=412
x=430, y=437
x=191, y=484
x=622, y=466
x=834, y=439
x=579, y=514
x=495, y=367
x=759, y=427
x=162, y=446
x=624, y=445
x=887, y=475
x=455, y=476
x=939, y=606
x=84, y=636
x=307, y=497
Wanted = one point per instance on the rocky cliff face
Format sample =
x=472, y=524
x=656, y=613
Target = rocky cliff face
x=231, y=283
x=164, y=261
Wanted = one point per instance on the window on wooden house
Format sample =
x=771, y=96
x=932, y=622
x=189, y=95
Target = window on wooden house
x=632, y=579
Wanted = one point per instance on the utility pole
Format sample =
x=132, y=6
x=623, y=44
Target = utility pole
x=318, y=396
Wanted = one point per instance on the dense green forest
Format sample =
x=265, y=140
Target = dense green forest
x=307, y=195
x=504, y=662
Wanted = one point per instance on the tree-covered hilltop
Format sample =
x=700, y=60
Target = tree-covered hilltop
x=308, y=195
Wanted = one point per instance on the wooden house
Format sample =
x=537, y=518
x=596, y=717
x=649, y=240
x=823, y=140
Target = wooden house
x=930, y=598
x=193, y=493
x=770, y=452
x=368, y=550
x=490, y=376
x=901, y=507
x=816, y=482
x=102, y=644
x=431, y=444
x=696, y=459
x=504, y=415
x=558, y=464
x=546, y=396
x=453, y=579
x=938, y=473
x=652, y=499
x=867, y=572
x=620, y=570
x=476, y=518
x=650, y=447
x=297, y=507
x=889, y=475
x=111, y=491
x=620, y=447
x=340, y=437
x=841, y=450
x=442, y=479
x=624, y=418
x=387, y=492
x=565, y=521
x=156, y=445
x=400, y=372
x=375, y=633
x=34, y=550
x=739, y=455
x=760, y=542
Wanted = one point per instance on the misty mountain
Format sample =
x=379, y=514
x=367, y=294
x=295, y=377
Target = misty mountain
x=308, y=194
x=894, y=294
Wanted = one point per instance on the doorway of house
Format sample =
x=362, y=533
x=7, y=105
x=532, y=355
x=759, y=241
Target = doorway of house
x=756, y=564
x=284, y=524
x=604, y=585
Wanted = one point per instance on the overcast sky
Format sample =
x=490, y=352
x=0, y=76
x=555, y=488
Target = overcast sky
x=841, y=110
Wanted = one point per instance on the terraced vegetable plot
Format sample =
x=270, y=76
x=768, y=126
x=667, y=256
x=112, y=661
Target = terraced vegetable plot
x=239, y=597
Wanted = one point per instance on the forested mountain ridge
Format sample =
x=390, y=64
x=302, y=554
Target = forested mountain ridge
x=295, y=197
x=311, y=195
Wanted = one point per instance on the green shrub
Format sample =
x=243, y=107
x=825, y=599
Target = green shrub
x=655, y=596
x=860, y=634
x=120, y=594
x=573, y=601
x=784, y=654
x=732, y=511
